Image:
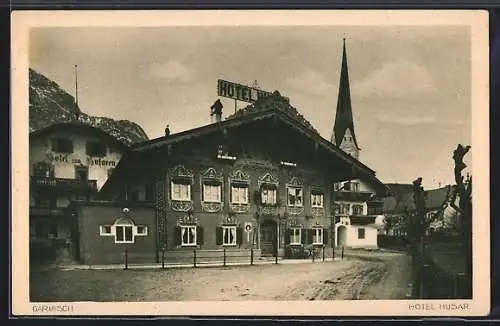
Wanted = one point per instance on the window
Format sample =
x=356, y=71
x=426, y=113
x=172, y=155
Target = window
x=341, y=209
x=268, y=196
x=361, y=233
x=295, y=236
x=317, y=236
x=123, y=230
x=239, y=194
x=294, y=196
x=181, y=191
x=95, y=149
x=355, y=186
x=142, y=230
x=212, y=193
x=229, y=235
x=62, y=145
x=357, y=209
x=81, y=173
x=105, y=230
x=316, y=200
x=188, y=235
x=124, y=234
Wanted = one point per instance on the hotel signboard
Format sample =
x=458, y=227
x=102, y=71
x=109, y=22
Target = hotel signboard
x=240, y=92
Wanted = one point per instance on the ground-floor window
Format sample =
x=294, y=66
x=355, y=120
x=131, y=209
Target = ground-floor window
x=317, y=236
x=229, y=235
x=124, y=234
x=361, y=233
x=123, y=230
x=188, y=235
x=295, y=236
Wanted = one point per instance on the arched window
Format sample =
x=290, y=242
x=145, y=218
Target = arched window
x=124, y=230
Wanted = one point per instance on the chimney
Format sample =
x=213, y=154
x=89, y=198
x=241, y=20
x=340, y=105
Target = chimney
x=216, y=112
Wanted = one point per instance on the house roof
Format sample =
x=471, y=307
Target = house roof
x=272, y=107
x=75, y=127
x=404, y=202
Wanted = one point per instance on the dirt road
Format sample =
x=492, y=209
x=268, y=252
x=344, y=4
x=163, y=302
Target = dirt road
x=361, y=275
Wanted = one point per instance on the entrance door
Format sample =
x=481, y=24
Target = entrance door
x=268, y=232
x=341, y=236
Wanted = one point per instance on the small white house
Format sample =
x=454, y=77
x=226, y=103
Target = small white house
x=358, y=231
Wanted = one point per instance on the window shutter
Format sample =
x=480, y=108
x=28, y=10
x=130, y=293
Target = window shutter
x=177, y=236
x=218, y=235
x=325, y=236
x=303, y=234
x=239, y=236
x=199, y=235
x=287, y=236
x=70, y=145
x=309, y=234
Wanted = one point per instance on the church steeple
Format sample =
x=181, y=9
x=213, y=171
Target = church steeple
x=343, y=130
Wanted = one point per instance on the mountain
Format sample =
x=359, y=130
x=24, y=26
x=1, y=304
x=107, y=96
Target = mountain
x=50, y=104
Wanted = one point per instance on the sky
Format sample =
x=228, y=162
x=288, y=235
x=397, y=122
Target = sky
x=410, y=86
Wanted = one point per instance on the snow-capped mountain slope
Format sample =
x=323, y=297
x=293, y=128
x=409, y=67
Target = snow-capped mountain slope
x=49, y=104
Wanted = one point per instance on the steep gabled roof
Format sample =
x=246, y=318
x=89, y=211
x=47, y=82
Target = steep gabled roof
x=76, y=127
x=277, y=108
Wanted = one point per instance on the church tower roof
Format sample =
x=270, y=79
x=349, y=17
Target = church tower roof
x=343, y=118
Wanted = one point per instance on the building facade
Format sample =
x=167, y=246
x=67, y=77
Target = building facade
x=68, y=161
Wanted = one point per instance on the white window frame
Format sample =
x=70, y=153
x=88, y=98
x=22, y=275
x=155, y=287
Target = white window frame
x=114, y=231
x=174, y=184
x=296, y=234
x=318, y=195
x=208, y=199
x=301, y=196
x=124, y=226
x=237, y=199
x=265, y=200
x=317, y=233
x=194, y=238
x=102, y=231
x=354, y=186
x=145, y=228
x=225, y=230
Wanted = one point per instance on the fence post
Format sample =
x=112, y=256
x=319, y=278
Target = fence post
x=126, y=258
x=163, y=259
x=194, y=257
x=323, y=252
x=342, y=255
x=276, y=258
x=251, y=256
x=224, y=257
x=313, y=252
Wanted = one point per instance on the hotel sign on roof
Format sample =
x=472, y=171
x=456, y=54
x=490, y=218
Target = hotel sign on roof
x=240, y=92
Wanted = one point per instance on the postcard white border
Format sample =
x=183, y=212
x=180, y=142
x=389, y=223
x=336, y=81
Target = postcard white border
x=478, y=22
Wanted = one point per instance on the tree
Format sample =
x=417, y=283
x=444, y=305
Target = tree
x=418, y=222
x=463, y=190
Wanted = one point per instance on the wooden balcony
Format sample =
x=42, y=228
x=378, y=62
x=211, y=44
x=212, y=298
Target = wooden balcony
x=65, y=184
x=357, y=196
x=43, y=211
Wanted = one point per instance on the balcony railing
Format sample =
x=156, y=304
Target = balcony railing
x=65, y=183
